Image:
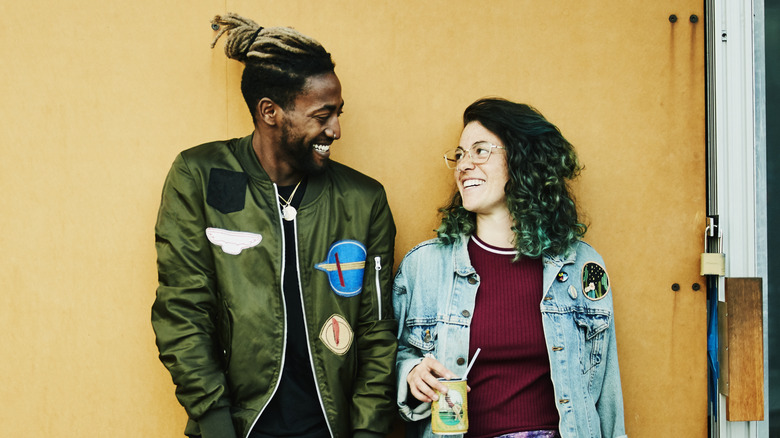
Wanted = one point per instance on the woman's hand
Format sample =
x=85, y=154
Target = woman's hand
x=423, y=379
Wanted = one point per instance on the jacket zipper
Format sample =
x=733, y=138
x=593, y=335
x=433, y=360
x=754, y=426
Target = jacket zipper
x=378, y=268
x=284, y=309
x=306, y=331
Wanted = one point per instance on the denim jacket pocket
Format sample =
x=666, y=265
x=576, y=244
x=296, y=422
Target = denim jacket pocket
x=593, y=326
x=422, y=334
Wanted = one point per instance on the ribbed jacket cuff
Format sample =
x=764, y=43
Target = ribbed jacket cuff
x=367, y=434
x=217, y=423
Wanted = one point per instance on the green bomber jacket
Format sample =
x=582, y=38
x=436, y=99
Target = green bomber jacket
x=219, y=317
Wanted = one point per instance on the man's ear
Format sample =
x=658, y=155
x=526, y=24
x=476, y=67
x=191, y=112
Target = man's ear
x=268, y=112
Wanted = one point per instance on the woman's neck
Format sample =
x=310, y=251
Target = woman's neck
x=496, y=230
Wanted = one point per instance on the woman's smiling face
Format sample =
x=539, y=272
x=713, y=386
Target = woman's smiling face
x=482, y=185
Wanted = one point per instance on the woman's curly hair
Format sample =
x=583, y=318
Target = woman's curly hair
x=541, y=164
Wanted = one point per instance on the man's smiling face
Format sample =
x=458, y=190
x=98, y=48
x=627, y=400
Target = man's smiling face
x=311, y=125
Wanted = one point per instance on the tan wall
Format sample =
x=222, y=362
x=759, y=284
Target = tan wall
x=98, y=97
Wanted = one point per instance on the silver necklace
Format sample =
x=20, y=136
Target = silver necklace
x=288, y=211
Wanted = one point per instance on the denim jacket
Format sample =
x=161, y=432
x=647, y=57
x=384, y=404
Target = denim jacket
x=433, y=300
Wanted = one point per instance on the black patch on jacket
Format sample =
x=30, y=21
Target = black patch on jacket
x=227, y=190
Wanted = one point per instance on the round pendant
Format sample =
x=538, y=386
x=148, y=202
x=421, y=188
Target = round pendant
x=289, y=212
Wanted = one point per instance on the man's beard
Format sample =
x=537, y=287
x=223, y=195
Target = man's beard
x=299, y=154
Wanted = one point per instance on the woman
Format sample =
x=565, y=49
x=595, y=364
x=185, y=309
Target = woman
x=509, y=245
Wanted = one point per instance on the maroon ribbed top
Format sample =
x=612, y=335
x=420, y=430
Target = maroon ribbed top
x=511, y=390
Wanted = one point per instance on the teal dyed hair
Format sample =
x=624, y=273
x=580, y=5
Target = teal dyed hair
x=541, y=164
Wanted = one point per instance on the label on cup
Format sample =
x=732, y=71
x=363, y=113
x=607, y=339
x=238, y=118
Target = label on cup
x=449, y=414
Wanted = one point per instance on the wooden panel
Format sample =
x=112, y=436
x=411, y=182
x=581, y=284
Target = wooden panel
x=97, y=103
x=745, y=400
x=626, y=87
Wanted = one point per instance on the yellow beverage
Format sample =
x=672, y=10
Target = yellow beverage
x=449, y=414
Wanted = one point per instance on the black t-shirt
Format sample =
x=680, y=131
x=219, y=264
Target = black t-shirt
x=295, y=410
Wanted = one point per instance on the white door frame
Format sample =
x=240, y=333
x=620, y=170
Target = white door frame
x=736, y=45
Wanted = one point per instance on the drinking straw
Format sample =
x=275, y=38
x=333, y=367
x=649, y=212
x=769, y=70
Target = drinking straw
x=473, y=358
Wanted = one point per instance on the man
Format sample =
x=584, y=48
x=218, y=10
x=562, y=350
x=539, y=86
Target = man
x=273, y=307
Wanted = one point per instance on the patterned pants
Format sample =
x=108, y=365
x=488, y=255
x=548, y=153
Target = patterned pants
x=533, y=434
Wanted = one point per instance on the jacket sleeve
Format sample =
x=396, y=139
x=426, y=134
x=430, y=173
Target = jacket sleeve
x=408, y=356
x=372, y=408
x=183, y=312
x=610, y=402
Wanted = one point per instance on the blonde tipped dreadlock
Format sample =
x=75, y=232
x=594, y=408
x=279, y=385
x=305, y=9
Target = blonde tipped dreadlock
x=278, y=60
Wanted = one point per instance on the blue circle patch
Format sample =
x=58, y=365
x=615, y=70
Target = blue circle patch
x=345, y=265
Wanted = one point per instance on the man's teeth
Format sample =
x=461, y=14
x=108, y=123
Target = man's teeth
x=471, y=183
x=322, y=147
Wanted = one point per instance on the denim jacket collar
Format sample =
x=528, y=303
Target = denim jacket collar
x=553, y=265
x=552, y=262
x=460, y=257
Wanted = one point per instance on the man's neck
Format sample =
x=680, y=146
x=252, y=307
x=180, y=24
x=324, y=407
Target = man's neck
x=267, y=153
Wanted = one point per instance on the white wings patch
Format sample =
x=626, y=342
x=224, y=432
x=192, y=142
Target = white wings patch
x=232, y=242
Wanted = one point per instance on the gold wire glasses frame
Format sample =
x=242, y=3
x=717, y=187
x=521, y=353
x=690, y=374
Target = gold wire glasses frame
x=478, y=154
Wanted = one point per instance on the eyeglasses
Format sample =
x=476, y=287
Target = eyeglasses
x=478, y=154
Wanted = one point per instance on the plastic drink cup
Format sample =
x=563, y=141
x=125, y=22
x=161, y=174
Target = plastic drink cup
x=449, y=414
